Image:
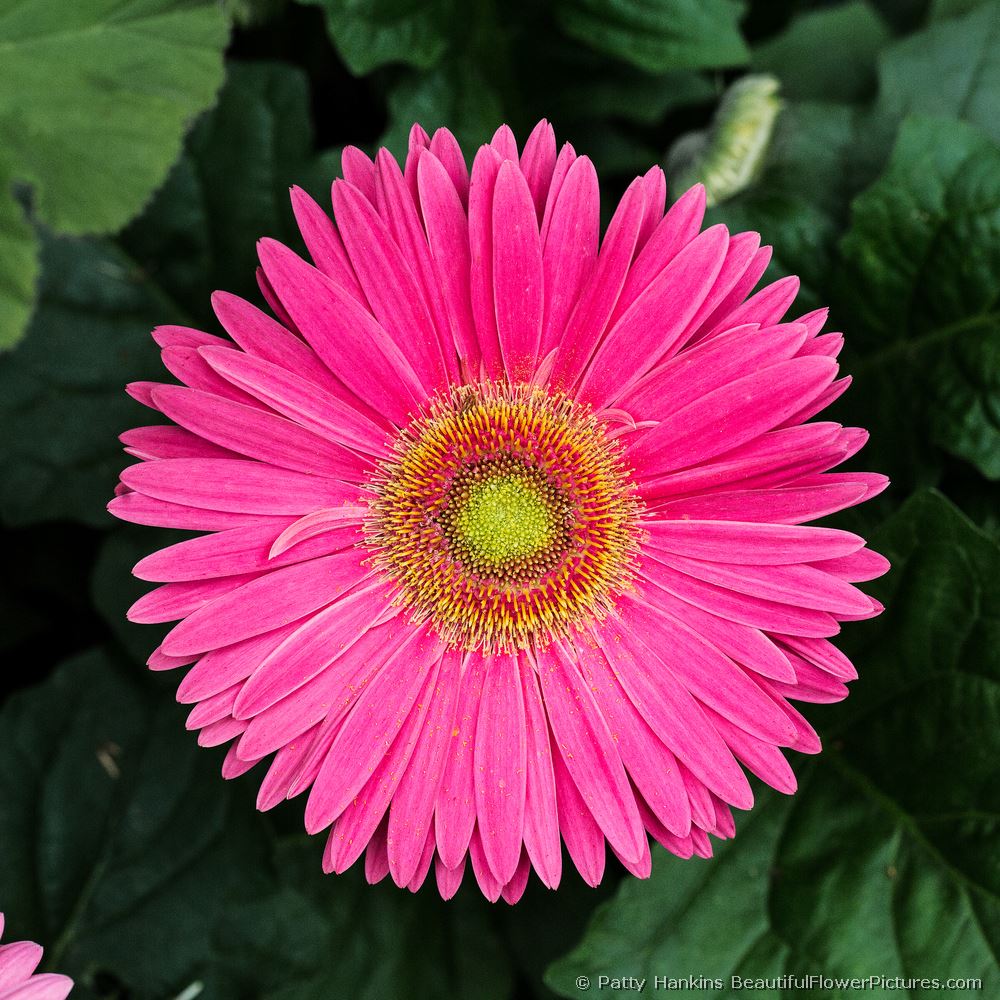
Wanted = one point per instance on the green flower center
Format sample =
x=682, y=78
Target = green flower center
x=504, y=518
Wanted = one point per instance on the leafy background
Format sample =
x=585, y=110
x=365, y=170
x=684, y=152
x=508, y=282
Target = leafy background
x=146, y=144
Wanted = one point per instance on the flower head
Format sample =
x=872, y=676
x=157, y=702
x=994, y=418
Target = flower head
x=504, y=523
x=18, y=961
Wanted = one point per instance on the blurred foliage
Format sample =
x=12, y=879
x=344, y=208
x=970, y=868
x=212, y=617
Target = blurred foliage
x=126, y=200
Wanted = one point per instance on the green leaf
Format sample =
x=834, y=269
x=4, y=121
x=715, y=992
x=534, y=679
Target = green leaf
x=19, y=270
x=658, y=35
x=111, y=88
x=575, y=85
x=122, y=845
x=884, y=862
x=826, y=55
x=318, y=937
x=230, y=188
x=951, y=69
x=921, y=279
x=62, y=398
x=372, y=34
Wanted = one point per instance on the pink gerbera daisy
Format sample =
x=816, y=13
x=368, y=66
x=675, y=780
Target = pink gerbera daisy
x=504, y=522
x=18, y=981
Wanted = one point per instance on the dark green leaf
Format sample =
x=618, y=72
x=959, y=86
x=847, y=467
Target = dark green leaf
x=827, y=54
x=94, y=100
x=319, y=937
x=122, y=845
x=61, y=392
x=884, y=862
x=952, y=69
x=372, y=34
x=658, y=35
x=921, y=278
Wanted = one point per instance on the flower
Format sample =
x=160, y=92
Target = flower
x=505, y=536
x=18, y=961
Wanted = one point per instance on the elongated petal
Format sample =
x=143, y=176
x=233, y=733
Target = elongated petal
x=499, y=760
x=267, y=602
x=517, y=275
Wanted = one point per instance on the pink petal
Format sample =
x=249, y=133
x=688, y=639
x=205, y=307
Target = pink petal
x=455, y=806
x=566, y=158
x=485, y=168
x=589, y=752
x=262, y=337
x=18, y=960
x=505, y=144
x=598, y=297
x=359, y=171
x=749, y=543
x=256, y=434
x=178, y=600
x=448, y=237
x=650, y=765
x=731, y=415
x=389, y=284
x=320, y=642
x=189, y=367
x=299, y=400
x=711, y=677
x=765, y=308
x=749, y=647
x=537, y=163
x=221, y=668
x=235, y=485
x=580, y=832
x=674, y=231
x=397, y=208
x=166, y=441
x=234, y=551
x=350, y=342
x=569, y=247
x=654, y=190
x=266, y=603
x=514, y=889
x=139, y=509
x=517, y=274
x=446, y=149
x=489, y=885
x=777, y=506
x=741, y=608
x=448, y=879
x=499, y=763
x=361, y=817
x=764, y=759
x=672, y=713
x=369, y=729
x=323, y=242
x=412, y=814
x=657, y=319
x=541, y=819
